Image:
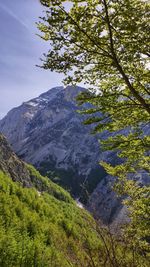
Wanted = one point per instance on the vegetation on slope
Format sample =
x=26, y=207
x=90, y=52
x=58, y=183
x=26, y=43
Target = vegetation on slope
x=36, y=229
x=46, y=228
x=43, y=184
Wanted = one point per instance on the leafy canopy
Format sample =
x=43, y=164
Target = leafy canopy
x=106, y=45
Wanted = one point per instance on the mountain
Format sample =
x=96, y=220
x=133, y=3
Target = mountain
x=48, y=132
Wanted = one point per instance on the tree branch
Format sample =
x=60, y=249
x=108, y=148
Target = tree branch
x=119, y=67
x=85, y=33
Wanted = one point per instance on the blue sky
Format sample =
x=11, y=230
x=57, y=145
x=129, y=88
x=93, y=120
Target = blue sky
x=20, y=50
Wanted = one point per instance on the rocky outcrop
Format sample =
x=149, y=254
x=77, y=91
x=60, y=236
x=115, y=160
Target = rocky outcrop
x=12, y=165
x=106, y=206
x=26, y=175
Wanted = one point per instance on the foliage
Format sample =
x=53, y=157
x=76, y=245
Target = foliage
x=137, y=199
x=99, y=43
x=139, y=207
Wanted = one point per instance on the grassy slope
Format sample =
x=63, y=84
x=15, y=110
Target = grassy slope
x=39, y=229
x=43, y=227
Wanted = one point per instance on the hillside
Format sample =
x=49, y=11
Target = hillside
x=41, y=225
x=26, y=174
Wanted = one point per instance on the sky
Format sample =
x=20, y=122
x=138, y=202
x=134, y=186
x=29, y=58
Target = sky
x=20, y=51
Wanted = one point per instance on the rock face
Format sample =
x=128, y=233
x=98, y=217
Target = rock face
x=104, y=204
x=12, y=165
x=26, y=175
x=48, y=132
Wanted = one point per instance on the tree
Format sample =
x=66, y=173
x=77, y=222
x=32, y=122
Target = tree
x=105, y=43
